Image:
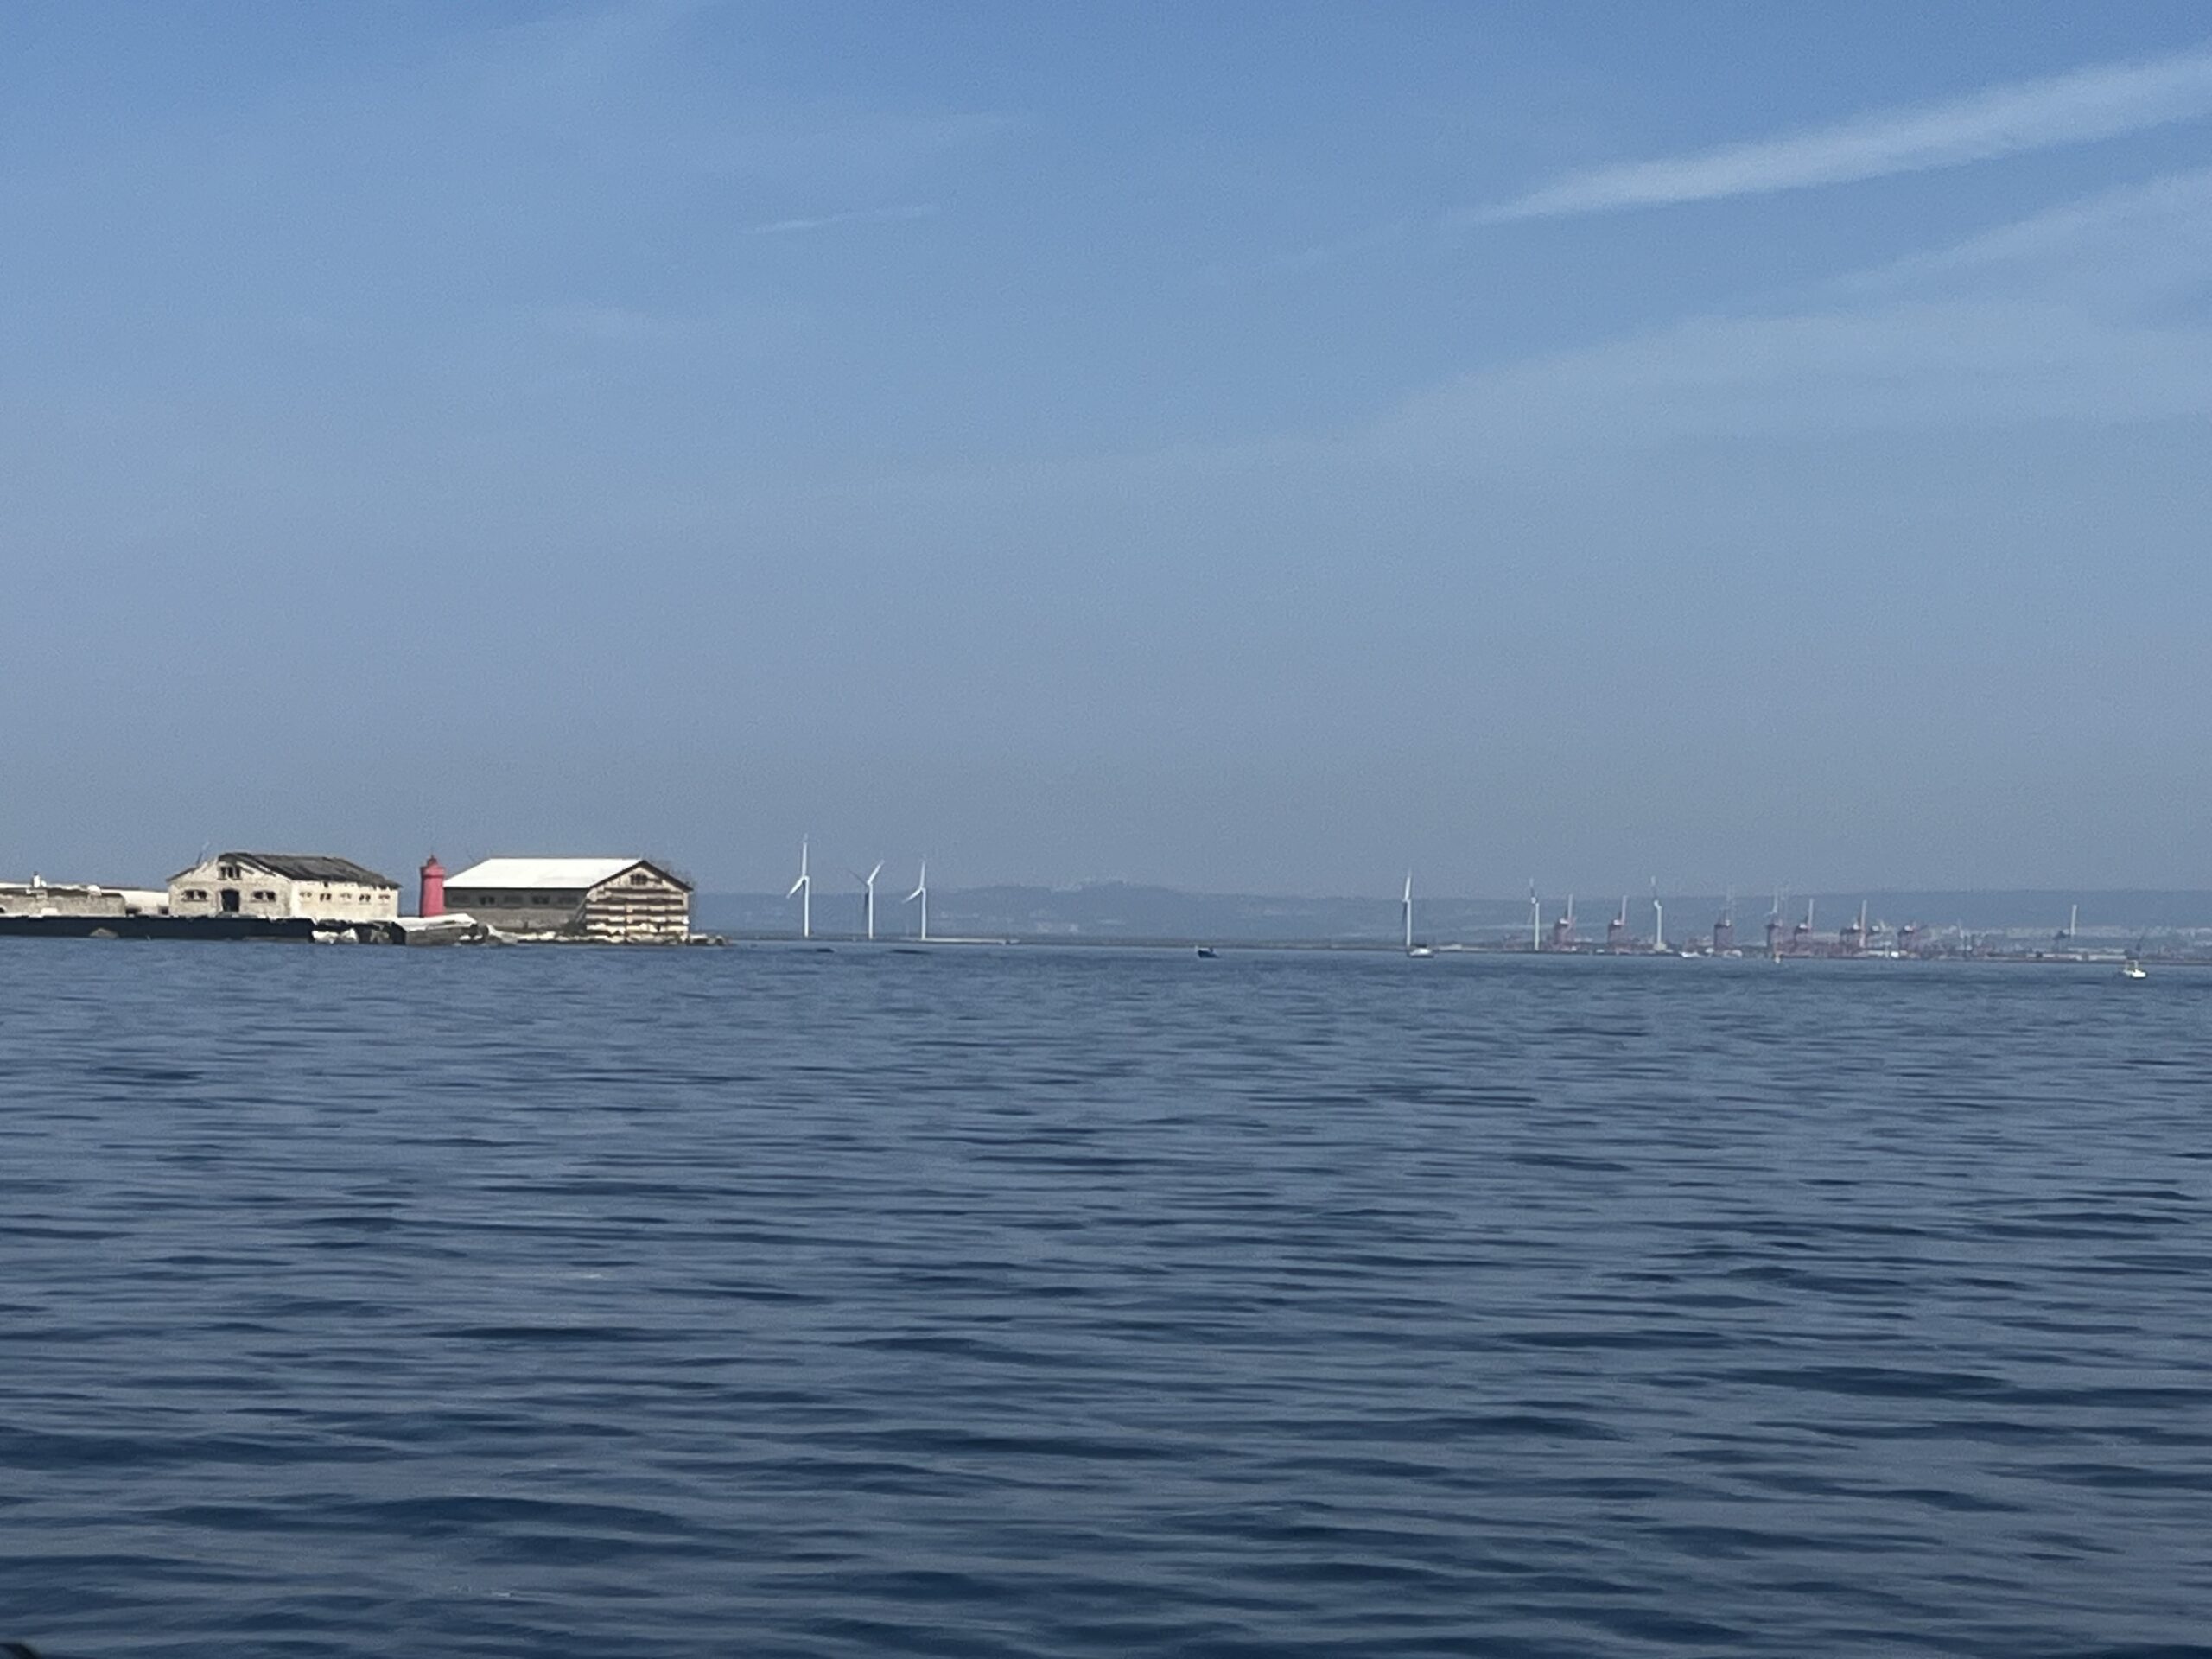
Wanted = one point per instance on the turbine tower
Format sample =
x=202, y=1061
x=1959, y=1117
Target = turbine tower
x=1658, y=919
x=922, y=891
x=867, y=884
x=802, y=890
x=1535, y=919
x=1406, y=906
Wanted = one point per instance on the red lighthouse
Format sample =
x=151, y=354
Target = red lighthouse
x=433, y=888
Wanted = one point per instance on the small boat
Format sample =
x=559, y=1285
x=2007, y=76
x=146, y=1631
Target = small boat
x=1207, y=953
x=1419, y=950
x=2132, y=968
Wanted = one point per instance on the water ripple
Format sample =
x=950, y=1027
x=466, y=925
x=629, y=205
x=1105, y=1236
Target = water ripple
x=1067, y=1304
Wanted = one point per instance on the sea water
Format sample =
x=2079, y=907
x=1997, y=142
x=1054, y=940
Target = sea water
x=1099, y=1302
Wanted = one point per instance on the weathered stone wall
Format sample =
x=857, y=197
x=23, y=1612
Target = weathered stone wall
x=638, y=905
x=198, y=892
x=520, y=911
x=42, y=900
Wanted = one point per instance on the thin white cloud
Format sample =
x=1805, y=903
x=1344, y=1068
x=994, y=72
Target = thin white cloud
x=2129, y=244
x=858, y=216
x=2067, y=315
x=1900, y=367
x=2071, y=109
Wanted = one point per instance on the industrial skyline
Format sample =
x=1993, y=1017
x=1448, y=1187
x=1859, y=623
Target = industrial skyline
x=1550, y=928
x=1842, y=923
x=520, y=896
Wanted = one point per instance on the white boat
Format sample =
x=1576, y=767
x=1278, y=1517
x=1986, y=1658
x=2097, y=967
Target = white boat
x=2132, y=968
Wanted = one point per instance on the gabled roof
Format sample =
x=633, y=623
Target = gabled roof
x=301, y=866
x=550, y=875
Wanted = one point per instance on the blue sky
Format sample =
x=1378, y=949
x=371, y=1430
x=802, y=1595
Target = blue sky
x=1243, y=447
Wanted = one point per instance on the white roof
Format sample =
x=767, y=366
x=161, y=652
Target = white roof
x=560, y=874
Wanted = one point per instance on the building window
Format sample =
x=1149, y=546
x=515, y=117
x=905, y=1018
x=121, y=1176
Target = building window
x=229, y=872
x=262, y=895
x=641, y=879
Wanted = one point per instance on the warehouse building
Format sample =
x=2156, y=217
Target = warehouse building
x=271, y=884
x=632, y=900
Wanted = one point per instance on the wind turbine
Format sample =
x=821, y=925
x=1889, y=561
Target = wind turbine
x=1658, y=919
x=922, y=891
x=802, y=890
x=1535, y=919
x=1406, y=906
x=867, y=882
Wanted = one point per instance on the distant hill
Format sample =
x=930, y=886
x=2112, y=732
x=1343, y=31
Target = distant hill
x=1114, y=911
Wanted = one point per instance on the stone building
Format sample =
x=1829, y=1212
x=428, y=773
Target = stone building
x=269, y=884
x=39, y=898
x=626, y=899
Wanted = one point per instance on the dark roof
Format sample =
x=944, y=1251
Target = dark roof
x=311, y=867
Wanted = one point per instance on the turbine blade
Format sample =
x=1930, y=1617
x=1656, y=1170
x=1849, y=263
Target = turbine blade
x=796, y=885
